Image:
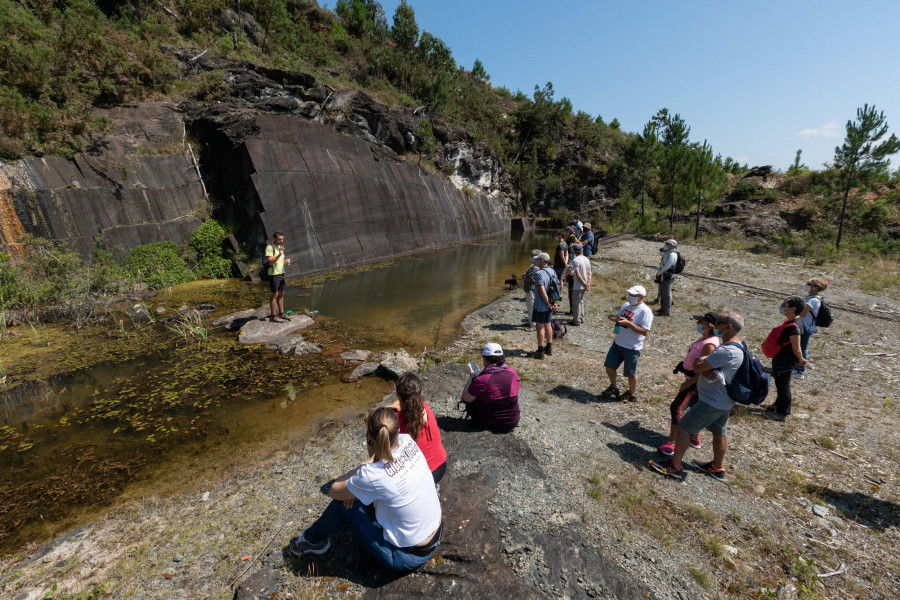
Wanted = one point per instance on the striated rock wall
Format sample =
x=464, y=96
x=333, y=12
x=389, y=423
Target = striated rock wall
x=135, y=186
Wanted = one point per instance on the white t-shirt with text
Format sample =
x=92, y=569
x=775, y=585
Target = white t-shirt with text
x=403, y=493
x=640, y=315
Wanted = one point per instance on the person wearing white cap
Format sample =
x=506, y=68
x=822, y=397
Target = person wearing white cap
x=665, y=276
x=633, y=323
x=529, y=286
x=492, y=395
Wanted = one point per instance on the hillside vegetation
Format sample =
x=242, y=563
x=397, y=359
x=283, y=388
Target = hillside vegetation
x=61, y=58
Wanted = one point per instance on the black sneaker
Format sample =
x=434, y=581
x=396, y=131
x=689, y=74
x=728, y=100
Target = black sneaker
x=538, y=354
x=548, y=350
x=706, y=467
x=774, y=416
x=628, y=397
x=668, y=469
x=299, y=546
x=610, y=392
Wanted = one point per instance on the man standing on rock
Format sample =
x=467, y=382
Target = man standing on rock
x=713, y=405
x=276, y=261
x=543, y=306
x=665, y=277
x=633, y=323
x=580, y=270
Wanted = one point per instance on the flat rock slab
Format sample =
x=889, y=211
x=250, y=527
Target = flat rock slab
x=285, y=343
x=355, y=355
x=260, y=332
x=307, y=348
x=361, y=371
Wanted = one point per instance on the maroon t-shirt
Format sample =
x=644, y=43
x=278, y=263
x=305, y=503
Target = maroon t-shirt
x=496, y=391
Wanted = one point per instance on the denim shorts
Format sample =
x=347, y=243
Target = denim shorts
x=703, y=416
x=617, y=355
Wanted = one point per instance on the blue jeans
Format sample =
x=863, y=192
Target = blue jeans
x=361, y=519
x=804, y=344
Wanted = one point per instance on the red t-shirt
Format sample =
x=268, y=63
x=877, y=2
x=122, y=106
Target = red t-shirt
x=429, y=441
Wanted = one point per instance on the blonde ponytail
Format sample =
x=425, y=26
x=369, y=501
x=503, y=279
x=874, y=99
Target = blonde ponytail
x=382, y=431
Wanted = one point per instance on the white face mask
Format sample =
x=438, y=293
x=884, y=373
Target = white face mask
x=633, y=300
x=806, y=289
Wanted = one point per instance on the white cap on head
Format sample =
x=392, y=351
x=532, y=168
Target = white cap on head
x=492, y=349
x=637, y=290
x=535, y=254
x=672, y=243
x=545, y=257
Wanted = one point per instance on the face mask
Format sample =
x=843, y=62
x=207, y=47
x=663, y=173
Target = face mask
x=633, y=300
x=782, y=309
x=806, y=289
x=716, y=333
x=665, y=249
x=699, y=328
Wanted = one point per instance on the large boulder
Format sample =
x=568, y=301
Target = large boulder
x=285, y=343
x=764, y=226
x=355, y=355
x=260, y=332
x=361, y=371
x=396, y=364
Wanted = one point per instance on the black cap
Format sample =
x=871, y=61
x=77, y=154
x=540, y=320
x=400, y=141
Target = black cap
x=710, y=317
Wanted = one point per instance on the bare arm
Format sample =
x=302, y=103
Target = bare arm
x=636, y=328
x=795, y=346
x=339, y=489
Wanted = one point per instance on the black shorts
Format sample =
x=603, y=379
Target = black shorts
x=541, y=316
x=276, y=283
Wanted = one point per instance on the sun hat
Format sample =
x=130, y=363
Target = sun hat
x=535, y=254
x=710, y=317
x=545, y=257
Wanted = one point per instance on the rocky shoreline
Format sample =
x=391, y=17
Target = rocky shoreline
x=564, y=506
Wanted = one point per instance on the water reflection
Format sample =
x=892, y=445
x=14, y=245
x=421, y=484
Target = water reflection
x=420, y=299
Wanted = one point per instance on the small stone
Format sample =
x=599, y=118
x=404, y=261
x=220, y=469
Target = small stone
x=205, y=497
x=183, y=308
x=836, y=520
x=178, y=558
x=819, y=511
x=731, y=549
x=759, y=489
x=160, y=310
x=206, y=306
x=803, y=416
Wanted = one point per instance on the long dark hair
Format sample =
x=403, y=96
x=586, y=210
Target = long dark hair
x=409, y=391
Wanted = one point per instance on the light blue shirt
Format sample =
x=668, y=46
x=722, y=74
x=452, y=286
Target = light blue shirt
x=725, y=361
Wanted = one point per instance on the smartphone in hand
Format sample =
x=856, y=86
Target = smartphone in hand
x=474, y=368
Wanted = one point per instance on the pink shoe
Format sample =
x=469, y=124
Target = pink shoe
x=667, y=449
x=695, y=442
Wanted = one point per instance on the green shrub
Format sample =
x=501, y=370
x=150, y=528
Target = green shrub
x=207, y=242
x=159, y=265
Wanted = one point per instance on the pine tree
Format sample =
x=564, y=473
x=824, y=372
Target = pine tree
x=646, y=154
x=707, y=177
x=861, y=157
x=405, y=31
x=674, y=139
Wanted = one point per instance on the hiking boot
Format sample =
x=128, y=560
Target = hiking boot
x=538, y=354
x=774, y=416
x=696, y=443
x=706, y=467
x=628, y=397
x=299, y=546
x=662, y=313
x=610, y=392
x=284, y=316
x=668, y=469
x=274, y=319
x=548, y=350
x=667, y=449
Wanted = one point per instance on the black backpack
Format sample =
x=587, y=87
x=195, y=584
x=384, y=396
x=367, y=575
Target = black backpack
x=680, y=261
x=750, y=384
x=824, y=317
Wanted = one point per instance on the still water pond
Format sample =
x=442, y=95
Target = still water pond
x=155, y=413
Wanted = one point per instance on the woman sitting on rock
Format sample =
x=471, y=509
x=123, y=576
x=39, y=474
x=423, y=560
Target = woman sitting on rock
x=390, y=502
x=687, y=393
x=418, y=421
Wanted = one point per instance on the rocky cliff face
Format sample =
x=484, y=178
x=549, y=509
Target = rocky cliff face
x=279, y=151
x=134, y=186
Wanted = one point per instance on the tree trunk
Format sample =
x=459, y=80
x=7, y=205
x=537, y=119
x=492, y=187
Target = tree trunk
x=697, y=226
x=837, y=245
x=643, y=194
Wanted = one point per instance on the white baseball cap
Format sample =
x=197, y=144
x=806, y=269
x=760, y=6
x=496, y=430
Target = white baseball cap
x=492, y=349
x=637, y=290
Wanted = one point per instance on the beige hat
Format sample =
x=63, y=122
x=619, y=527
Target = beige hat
x=545, y=257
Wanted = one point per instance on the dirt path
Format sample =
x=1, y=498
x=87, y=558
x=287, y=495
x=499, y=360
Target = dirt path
x=565, y=506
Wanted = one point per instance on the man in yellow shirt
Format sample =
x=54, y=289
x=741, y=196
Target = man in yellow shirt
x=276, y=261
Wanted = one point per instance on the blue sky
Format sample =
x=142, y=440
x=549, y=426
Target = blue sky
x=757, y=79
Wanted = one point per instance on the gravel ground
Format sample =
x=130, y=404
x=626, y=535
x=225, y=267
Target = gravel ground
x=569, y=508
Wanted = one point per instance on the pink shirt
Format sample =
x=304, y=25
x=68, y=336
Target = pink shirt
x=696, y=349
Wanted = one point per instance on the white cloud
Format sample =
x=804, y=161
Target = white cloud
x=830, y=130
